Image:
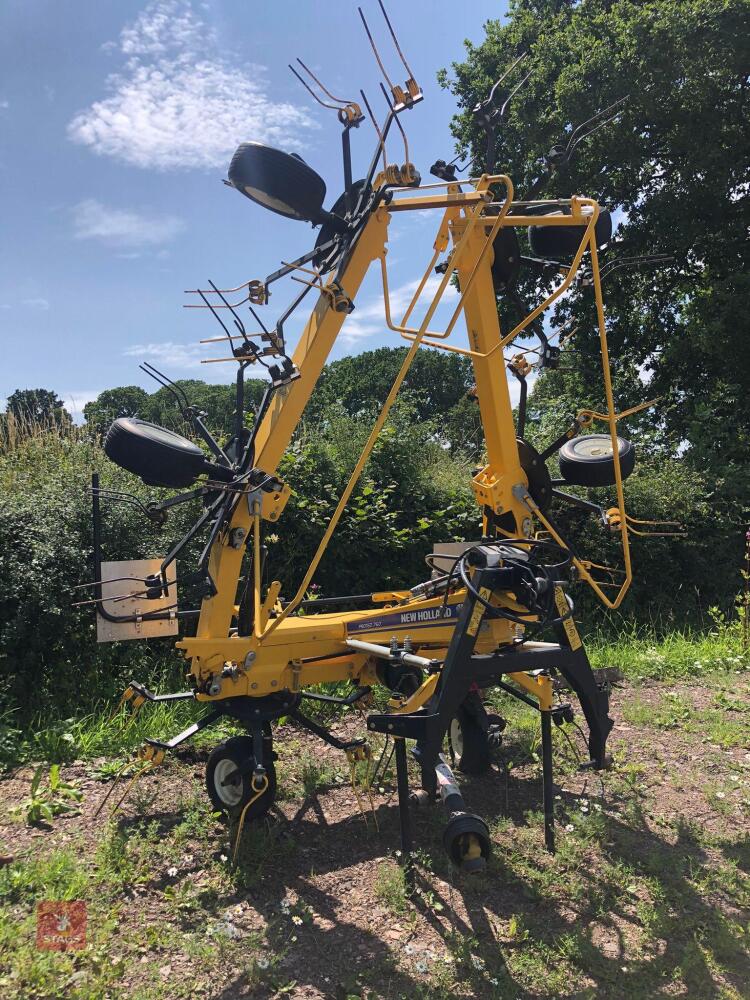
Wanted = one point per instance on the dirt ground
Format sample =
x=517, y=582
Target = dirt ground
x=647, y=895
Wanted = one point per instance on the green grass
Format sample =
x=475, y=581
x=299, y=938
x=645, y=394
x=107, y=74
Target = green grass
x=663, y=891
x=680, y=655
x=725, y=725
x=104, y=734
x=390, y=886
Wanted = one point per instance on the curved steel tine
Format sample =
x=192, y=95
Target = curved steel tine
x=237, y=321
x=233, y=305
x=120, y=497
x=100, y=600
x=374, y=121
x=116, y=579
x=311, y=92
x=577, y=132
x=168, y=383
x=197, y=291
x=601, y=118
x=257, y=318
x=138, y=593
x=459, y=168
x=615, y=265
x=512, y=94
x=146, y=367
x=374, y=49
x=221, y=321
x=395, y=41
x=398, y=124
x=183, y=403
x=326, y=91
x=496, y=84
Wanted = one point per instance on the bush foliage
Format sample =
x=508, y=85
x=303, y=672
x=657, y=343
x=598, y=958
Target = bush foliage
x=415, y=492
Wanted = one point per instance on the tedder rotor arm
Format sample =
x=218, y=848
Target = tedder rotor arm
x=282, y=417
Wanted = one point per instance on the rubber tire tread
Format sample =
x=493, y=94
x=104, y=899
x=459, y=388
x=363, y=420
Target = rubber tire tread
x=240, y=750
x=595, y=471
x=175, y=462
x=476, y=754
x=283, y=176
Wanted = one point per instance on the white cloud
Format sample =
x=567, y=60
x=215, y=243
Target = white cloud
x=4, y=105
x=164, y=27
x=122, y=228
x=38, y=303
x=75, y=400
x=369, y=318
x=168, y=353
x=178, y=103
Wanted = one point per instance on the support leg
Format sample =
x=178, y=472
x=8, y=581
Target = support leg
x=548, y=797
x=402, y=782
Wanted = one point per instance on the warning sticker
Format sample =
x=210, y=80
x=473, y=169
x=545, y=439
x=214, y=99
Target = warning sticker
x=563, y=609
x=478, y=613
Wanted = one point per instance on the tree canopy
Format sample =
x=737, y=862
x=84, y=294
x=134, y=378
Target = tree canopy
x=37, y=406
x=674, y=166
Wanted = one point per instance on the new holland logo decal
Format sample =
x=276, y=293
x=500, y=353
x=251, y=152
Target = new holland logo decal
x=401, y=619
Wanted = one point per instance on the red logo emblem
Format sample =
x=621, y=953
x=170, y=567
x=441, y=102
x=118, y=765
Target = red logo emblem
x=61, y=926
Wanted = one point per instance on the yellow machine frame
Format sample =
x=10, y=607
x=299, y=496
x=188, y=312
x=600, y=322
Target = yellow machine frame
x=454, y=637
x=277, y=656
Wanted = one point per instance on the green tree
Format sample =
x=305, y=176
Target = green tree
x=216, y=401
x=434, y=384
x=126, y=401
x=675, y=164
x=436, y=390
x=37, y=406
x=160, y=407
x=674, y=167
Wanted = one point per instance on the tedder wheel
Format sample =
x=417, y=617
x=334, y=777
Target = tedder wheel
x=159, y=456
x=564, y=241
x=589, y=460
x=277, y=180
x=469, y=742
x=229, y=774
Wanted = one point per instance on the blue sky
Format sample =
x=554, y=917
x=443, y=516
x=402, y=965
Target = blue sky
x=118, y=121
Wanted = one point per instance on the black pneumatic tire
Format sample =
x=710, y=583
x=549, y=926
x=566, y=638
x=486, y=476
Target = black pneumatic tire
x=589, y=460
x=231, y=798
x=564, y=241
x=277, y=180
x=469, y=743
x=159, y=456
x=507, y=260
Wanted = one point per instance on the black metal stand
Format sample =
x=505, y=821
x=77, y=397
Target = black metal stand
x=402, y=783
x=196, y=727
x=323, y=733
x=548, y=797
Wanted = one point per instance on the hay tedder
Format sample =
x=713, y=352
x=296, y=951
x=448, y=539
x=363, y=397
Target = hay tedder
x=494, y=611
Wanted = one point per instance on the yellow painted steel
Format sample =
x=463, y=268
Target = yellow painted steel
x=538, y=686
x=277, y=428
x=288, y=651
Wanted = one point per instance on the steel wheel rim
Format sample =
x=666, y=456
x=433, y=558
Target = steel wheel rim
x=231, y=793
x=456, y=737
x=598, y=448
